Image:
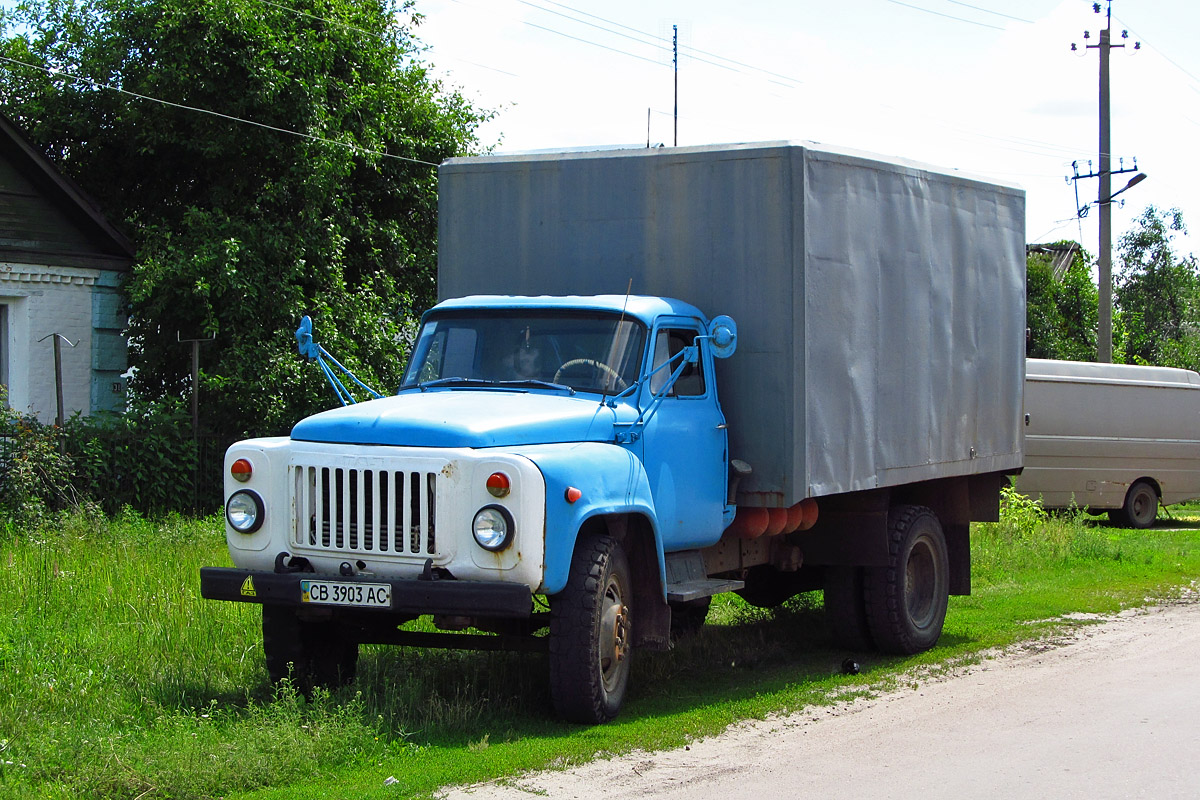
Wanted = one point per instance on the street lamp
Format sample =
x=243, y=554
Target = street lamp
x=1134, y=181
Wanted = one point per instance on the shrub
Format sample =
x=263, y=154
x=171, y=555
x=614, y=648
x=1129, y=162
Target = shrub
x=145, y=459
x=35, y=472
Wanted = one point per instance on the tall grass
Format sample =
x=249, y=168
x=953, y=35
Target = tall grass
x=117, y=680
x=1027, y=535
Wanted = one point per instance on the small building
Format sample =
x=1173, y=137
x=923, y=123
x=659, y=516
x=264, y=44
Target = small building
x=61, y=269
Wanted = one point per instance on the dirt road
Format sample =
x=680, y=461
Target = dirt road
x=1110, y=710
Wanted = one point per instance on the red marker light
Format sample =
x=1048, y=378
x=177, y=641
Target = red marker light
x=241, y=470
x=573, y=494
x=498, y=484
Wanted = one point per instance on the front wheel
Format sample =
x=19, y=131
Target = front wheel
x=591, y=627
x=906, y=600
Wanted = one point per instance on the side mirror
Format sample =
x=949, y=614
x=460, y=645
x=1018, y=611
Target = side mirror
x=722, y=331
x=304, y=339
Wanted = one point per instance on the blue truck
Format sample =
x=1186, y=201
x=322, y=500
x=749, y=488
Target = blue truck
x=655, y=376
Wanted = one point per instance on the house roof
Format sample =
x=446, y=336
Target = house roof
x=45, y=218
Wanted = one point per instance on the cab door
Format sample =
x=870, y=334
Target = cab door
x=684, y=443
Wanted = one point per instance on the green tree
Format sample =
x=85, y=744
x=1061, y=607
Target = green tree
x=241, y=228
x=1061, y=310
x=1158, y=293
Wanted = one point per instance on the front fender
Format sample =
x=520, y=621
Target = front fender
x=610, y=479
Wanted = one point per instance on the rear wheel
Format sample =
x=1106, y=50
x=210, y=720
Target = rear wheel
x=1141, y=506
x=906, y=600
x=591, y=633
x=311, y=654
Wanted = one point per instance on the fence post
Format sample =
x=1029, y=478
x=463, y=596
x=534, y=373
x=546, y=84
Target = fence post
x=58, y=381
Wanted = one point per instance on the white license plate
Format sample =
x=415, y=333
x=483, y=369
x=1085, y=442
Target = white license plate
x=337, y=593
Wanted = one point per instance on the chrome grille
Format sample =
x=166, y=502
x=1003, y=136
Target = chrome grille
x=344, y=509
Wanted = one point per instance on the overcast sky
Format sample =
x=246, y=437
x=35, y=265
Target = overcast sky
x=989, y=87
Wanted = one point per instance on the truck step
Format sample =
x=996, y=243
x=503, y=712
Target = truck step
x=697, y=589
x=687, y=580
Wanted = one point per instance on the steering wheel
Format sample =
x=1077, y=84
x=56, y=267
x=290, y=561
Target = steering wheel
x=599, y=366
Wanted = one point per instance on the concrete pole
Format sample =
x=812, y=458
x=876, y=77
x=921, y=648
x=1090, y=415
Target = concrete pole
x=675, y=61
x=1104, y=338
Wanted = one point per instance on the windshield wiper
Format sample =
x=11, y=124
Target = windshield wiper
x=537, y=383
x=453, y=381
x=459, y=381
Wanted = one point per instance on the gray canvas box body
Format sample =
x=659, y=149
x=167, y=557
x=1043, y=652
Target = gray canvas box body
x=880, y=303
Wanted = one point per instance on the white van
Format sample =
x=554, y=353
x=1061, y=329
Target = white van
x=1111, y=437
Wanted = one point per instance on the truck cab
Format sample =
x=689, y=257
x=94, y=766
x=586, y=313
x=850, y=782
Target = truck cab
x=564, y=447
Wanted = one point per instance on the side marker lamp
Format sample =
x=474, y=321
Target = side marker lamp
x=498, y=485
x=241, y=470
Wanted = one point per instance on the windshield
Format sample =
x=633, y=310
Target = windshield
x=586, y=351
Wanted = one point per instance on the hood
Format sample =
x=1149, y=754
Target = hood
x=462, y=418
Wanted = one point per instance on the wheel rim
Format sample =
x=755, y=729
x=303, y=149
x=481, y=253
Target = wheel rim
x=1143, y=506
x=920, y=584
x=614, y=635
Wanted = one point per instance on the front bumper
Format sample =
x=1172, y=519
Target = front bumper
x=492, y=599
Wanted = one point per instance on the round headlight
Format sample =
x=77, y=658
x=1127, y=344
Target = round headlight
x=244, y=511
x=493, y=528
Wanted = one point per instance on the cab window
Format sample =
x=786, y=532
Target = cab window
x=667, y=344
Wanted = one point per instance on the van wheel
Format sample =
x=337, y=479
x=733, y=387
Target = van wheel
x=311, y=654
x=591, y=633
x=906, y=600
x=1141, y=505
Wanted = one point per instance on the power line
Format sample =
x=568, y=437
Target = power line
x=97, y=85
x=947, y=16
x=1168, y=59
x=592, y=43
x=989, y=11
x=653, y=43
x=661, y=39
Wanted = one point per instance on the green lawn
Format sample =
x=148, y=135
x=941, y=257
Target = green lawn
x=118, y=680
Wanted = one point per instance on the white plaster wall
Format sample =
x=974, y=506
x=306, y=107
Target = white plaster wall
x=42, y=301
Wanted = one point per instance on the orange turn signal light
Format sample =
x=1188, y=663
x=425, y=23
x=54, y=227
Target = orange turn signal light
x=572, y=494
x=498, y=484
x=241, y=470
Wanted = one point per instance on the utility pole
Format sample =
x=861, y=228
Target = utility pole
x=1105, y=196
x=675, y=62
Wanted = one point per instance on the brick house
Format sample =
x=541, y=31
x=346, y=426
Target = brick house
x=61, y=269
